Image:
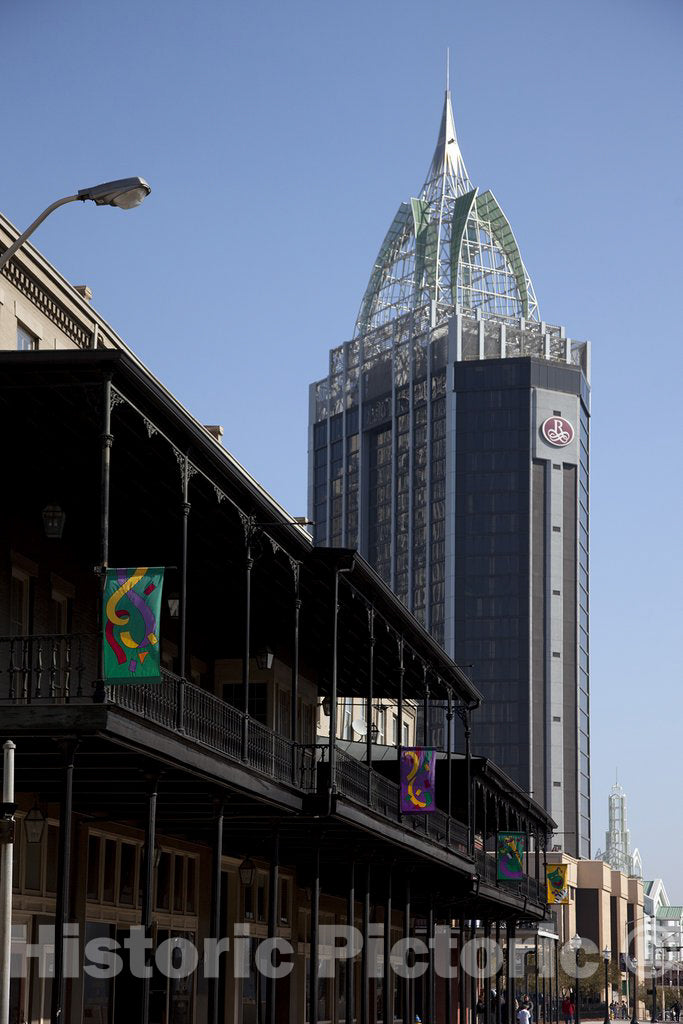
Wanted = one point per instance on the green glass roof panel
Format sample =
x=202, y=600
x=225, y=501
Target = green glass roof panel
x=461, y=211
x=489, y=210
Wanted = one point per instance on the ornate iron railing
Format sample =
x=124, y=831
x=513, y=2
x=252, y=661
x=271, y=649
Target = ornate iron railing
x=365, y=786
x=526, y=886
x=53, y=669
x=45, y=667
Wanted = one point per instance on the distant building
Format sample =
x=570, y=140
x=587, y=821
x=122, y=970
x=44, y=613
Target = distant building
x=655, y=898
x=449, y=444
x=606, y=907
x=618, y=838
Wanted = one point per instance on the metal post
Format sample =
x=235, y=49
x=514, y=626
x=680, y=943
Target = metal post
x=214, y=983
x=487, y=979
x=294, y=706
x=182, y=653
x=371, y=683
x=425, y=708
x=365, y=960
x=6, y=861
x=63, y=884
x=408, y=1016
x=468, y=780
x=315, y=914
x=448, y=992
x=557, y=980
x=106, y=440
x=399, y=709
x=462, y=1012
x=498, y=979
x=350, y=921
x=449, y=765
x=430, y=959
x=654, y=982
x=333, y=697
x=248, y=565
x=272, y=920
x=606, y=990
x=536, y=975
x=474, y=980
x=511, y=993
x=634, y=1018
x=148, y=888
x=387, y=1016
x=577, y=1008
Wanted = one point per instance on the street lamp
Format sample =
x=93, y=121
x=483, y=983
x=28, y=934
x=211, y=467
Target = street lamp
x=606, y=954
x=634, y=961
x=125, y=193
x=575, y=943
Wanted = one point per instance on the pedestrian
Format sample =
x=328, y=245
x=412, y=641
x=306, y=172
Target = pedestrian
x=523, y=1016
x=568, y=1009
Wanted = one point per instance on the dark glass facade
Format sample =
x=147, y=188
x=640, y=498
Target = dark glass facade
x=425, y=455
x=492, y=553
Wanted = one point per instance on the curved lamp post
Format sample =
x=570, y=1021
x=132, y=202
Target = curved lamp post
x=125, y=193
x=575, y=943
x=606, y=956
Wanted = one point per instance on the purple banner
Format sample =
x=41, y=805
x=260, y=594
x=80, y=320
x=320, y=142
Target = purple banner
x=417, y=780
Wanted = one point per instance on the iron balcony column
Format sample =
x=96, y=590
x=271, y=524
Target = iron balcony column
x=294, y=706
x=468, y=781
x=148, y=887
x=185, y=509
x=401, y=674
x=449, y=764
x=63, y=899
x=461, y=972
x=536, y=975
x=387, y=1016
x=487, y=979
x=408, y=1016
x=350, y=921
x=315, y=914
x=106, y=441
x=272, y=920
x=474, y=980
x=368, y=708
x=332, y=741
x=365, y=960
x=499, y=973
x=512, y=995
x=248, y=566
x=430, y=960
x=216, y=896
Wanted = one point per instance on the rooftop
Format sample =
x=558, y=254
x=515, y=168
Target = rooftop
x=451, y=246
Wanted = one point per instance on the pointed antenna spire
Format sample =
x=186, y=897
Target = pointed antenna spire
x=448, y=69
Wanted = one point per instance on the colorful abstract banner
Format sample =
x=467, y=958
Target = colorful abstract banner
x=510, y=856
x=556, y=883
x=418, y=765
x=132, y=611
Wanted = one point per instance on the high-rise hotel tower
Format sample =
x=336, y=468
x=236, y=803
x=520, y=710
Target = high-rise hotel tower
x=449, y=443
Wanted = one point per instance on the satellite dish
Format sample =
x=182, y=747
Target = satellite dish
x=360, y=726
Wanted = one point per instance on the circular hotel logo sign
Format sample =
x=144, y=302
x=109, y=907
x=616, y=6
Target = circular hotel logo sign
x=558, y=431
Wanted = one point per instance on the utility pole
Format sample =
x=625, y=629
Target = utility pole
x=6, y=857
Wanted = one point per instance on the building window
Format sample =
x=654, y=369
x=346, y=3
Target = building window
x=19, y=603
x=26, y=342
x=347, y=717
x=284, y=901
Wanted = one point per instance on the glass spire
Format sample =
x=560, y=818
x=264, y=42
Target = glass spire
x=451, y=246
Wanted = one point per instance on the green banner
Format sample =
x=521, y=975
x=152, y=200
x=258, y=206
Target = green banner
x=132, y=613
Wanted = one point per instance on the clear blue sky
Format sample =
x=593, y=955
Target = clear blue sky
x=279, y=139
